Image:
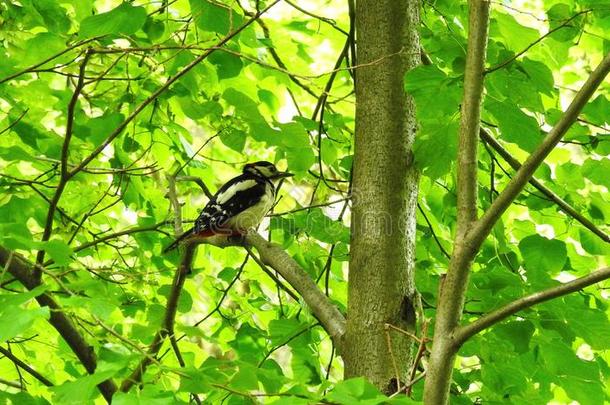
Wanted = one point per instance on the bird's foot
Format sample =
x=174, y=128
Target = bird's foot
x=238, y=236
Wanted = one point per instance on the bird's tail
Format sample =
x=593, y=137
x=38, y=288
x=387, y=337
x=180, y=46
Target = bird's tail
x=179, y=239
x=190, y=233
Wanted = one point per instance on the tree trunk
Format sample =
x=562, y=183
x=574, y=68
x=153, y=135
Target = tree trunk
x=381, y=280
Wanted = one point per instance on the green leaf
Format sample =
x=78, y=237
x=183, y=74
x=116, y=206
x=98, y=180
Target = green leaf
x=592, y=244
x=300, y=159
x=558, y=15
x=153, y=28
x=540, y=75
x=185, y=301
x=41, y=47
x=22, y=398
x=436, y=150
x=247, y=109
x=215, y=17
x=246, y=378
x=227, y=64
x=597, y=110
x=196, y=110
x=97, y=129
x=53, y=15
x=515, y=126
x=81, y=390
x=516, y=36
x=519, y=333
x=59, y=251
x=542, y=255
x=423, y=79
x=294, y=135
x=124, y=19
x=597, y=171
x=561, y=361
x=586, y=392
x=14, y=153
x=14, y=319
x=234, y=138
x=356, y=391
x=281, y=330
x=137, y=397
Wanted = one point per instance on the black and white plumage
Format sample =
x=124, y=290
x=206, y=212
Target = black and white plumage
x=239, y=205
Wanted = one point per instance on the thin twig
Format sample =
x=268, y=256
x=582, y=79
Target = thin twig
x=438, y=242
x=563, y=205
x=527, y=48
x=12, y=124
x=388, y=338
x=137, y=110
x=18, y=362
x=420, y=353
x=167, y=327
x=326, y=204
x=50, y=58
x=64, y=175
x=199, y=182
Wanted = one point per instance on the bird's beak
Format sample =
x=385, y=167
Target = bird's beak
x=281, y=175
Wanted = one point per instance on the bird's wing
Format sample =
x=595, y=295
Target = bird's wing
x=234, y=197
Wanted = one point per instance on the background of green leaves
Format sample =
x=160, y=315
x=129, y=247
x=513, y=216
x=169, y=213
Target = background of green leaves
x=261, y=97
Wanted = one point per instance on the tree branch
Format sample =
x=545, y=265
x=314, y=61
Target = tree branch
x=527, y=48
x=563, y=205
x=483, y=226
x=12, y=124
x=452, y=293
x=117, y=131
x=199, y=182
x=167, y=328
x=325, y=311
x=275, y=257
x=467, y=331
x=20, y=268
x=50, y=58
x=64, y=174
x=19, y=363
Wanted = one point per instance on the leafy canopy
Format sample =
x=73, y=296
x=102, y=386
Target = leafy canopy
x=259, y=96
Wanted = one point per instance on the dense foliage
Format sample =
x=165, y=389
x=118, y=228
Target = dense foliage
x=116, y=119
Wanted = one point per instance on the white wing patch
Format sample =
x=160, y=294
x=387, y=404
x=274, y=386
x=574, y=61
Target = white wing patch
x=235, y=188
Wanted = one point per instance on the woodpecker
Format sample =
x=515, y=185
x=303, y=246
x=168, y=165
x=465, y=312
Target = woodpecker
x=240, y=204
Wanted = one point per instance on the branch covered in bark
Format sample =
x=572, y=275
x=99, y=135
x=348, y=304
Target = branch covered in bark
x=167, y=328
x=466, y=332
x=484, y=225
x=320, y=305
x=452, y=293
x=21, y=364
x=561, y=203
x=275, y=257
x=22, y=270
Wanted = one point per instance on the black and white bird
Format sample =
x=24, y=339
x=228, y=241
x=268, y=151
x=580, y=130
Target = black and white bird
x=239, y=205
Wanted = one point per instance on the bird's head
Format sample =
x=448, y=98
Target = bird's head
x=266, y=170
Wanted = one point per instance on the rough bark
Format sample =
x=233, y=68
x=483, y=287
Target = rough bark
x=21, y=269
x=381, y=287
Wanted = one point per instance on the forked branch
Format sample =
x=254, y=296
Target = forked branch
x=483, y=226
